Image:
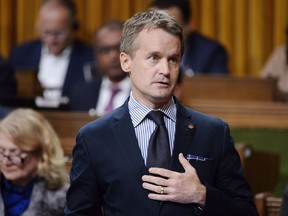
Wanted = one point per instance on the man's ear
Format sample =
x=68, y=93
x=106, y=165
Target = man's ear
x=125, y=61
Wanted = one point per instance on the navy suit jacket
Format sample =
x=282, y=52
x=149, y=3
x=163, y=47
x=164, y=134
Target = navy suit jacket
x=107, y=168
x=204, y=56
x=27, y=56
x=84, y=95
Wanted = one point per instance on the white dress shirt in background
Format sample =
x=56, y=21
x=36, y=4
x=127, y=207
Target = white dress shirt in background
x=52, y=72
x=105, y=94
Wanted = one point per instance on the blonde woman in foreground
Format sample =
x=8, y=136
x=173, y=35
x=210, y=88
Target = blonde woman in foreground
x=34, y=180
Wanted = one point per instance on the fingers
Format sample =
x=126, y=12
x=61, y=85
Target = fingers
x=156, y=180
x=165, y=173
x=158, y=189
x=167, y=185
x=185, y=163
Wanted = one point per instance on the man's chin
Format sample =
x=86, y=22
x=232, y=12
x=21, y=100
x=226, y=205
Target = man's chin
x=162, y=97
x=55, y=51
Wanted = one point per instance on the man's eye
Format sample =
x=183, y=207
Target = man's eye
x=174, y=60
x=153, y=58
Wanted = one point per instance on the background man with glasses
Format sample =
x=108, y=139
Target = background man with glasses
x=111, y=85
x=57, y=56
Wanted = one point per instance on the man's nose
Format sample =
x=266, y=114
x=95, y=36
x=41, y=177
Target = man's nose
x=51, y=39
x=165, y=67
x=6, y=160
x=114, y=53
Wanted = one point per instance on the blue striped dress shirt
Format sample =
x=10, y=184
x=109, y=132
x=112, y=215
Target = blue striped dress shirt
x=144, y=126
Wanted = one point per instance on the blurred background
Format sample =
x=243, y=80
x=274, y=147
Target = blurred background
x=249, y=29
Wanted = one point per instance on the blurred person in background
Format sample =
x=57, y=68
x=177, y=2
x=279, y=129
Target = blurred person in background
x=57, y=56
x=202, y=55
x=111, y=85
x=8, y=83
x=276, y=68
x=34, y=180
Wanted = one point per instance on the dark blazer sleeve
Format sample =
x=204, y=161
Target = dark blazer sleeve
x=228, y=192
x=83, y=195
x=229, y=188
x=204, y=55
x=26, y=55
x=84, y=95
x=81, y=54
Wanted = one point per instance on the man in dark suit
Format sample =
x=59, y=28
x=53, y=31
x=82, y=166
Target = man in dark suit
x=115, y=166
x=108, y=74
x=58, y=56
x=202, y=55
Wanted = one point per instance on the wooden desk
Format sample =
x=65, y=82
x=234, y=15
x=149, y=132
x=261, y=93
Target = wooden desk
x=27, y=83
x=245, y=114
x=267, y=204
x=267, y=165
x=229, y=88
x=67, y=124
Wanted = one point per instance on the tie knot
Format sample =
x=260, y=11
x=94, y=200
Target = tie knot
x=157, y=117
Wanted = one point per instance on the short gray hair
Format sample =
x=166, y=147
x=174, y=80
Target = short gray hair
x=148, y=20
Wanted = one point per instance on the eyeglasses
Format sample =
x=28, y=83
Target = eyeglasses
x=60, y=35
x=104, y=50
x=16, y=157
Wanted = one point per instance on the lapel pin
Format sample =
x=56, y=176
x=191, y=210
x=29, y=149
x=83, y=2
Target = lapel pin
x=190, y=126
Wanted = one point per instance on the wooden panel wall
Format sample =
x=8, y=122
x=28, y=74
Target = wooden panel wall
x=249, y=29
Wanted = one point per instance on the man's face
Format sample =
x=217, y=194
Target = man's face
x=154, y=67
x=55, y=29
x=107, y=54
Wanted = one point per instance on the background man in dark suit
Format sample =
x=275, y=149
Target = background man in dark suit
x=202, y=55
x=57, y=56
x=108, y=74
x=112, y=169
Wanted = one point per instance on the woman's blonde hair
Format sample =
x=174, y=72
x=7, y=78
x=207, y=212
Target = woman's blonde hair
x=32, y=132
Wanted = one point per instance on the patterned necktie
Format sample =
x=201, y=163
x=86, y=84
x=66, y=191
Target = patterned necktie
x=114, y=91
x=159, y=147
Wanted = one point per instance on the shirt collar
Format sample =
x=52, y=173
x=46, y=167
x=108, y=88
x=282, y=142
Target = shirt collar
x=65, y=53
x=139, y=111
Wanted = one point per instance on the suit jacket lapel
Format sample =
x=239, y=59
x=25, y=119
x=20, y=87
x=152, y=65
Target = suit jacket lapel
x=185, y=130
x=125, y=135
x=128, y=144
